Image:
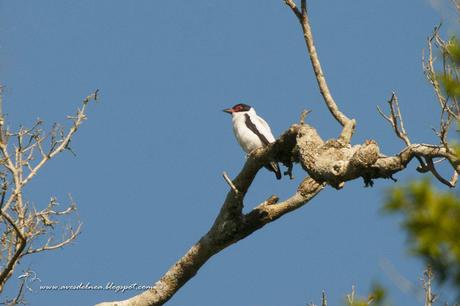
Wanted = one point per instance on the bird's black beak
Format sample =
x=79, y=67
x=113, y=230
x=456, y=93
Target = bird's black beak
x=228, y=110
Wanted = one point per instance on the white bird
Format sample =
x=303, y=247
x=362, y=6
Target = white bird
x=251, y=131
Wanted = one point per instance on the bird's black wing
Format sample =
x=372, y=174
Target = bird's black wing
x=250, y=125
x=272, y=166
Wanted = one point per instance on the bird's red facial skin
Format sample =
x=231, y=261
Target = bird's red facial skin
x=237, y=108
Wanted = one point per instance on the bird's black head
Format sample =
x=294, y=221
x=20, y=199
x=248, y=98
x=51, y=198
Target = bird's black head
x=238, y=108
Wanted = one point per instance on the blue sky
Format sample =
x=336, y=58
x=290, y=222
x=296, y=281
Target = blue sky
x=147, y=176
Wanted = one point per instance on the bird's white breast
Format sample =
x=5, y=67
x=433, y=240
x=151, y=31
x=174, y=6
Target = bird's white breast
x=247, y=139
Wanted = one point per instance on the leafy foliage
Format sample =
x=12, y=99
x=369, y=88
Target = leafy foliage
x=432, y=221
x=449, y=77
x=377, y=297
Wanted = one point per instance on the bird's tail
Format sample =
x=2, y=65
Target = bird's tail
x=274, y=167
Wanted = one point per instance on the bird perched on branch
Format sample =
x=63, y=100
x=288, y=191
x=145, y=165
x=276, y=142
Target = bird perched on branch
x=252, y=132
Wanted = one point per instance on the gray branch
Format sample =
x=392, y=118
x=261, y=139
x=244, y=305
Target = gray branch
x=331, y=162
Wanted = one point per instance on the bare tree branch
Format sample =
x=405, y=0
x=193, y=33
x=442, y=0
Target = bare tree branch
x=432, y=169
x=19, y=248
x=231, y=225
x=304, y=21
x=294, y=8
x=323, y=299
x=331, y=162
x=64, y=143
x=50, y=247
x=429, y=296
x=22, y=226
x=450, y=109
x=395, y=119
x=230, y=183
x=432, y=76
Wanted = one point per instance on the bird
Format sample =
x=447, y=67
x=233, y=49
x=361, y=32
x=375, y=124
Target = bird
x=252, y=132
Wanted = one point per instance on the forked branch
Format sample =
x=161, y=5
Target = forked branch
x=327, y=162
x=302, y=16
x=22, y=227
x=395, y=119
x=425, y=156
x=232, y=225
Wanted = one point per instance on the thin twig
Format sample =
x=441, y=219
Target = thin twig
x=397, y=122
x=323, y=299
x=304, y=21
x=395, y=119
x=432, y=168
x=65, y=141
x=304, y=115
x=230, y=183
x=294, y=8
x=47, y=247
x=430, y=71
x=429, y=296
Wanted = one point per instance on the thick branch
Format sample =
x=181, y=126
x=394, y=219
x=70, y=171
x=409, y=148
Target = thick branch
x=335, y=163
x=332, y=162
x=231, y=225
x=299, y=142
x=387, y=166
x=210, y=244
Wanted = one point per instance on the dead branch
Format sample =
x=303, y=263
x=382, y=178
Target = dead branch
x=230, y=183
x=20, y=244
x=63, y=144
x=450, y=107
x=429, y=296
x=395, y=119
x=323, y=299
x=302, y=16
x=49, y=247
x=231, y=225
x=426, y=162
x=331, y=162
x=22, y=224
